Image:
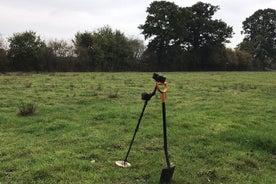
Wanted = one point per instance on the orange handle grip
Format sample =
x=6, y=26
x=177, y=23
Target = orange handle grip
x=162, y=90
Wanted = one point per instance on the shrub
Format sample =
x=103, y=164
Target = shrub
x=100, y=87
x=26, y=109
x=28, y=85
x=114, y=93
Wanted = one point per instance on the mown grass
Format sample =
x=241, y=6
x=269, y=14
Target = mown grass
x=221, y=128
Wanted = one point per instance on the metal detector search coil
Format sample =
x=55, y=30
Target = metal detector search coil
x=121, y=163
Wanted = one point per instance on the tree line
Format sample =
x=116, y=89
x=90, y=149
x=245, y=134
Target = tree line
x=179, y=39
x=101, y=50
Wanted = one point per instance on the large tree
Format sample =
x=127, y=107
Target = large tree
x=26, y=51
x=203, y=30
x=160, y=28
x=83, y=46
x=260, y=37
x=207, y=37
x=173, y=30
x=3, y=55
x=106, y=49
x=112, y=49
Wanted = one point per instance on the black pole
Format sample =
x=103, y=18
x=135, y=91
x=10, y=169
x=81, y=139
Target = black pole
x=136, y=129
x=146, y=97
x=165, y=134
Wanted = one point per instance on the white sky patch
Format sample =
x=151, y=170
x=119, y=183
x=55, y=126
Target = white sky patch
x=62, y=19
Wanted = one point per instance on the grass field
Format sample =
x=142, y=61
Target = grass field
x=221, y=128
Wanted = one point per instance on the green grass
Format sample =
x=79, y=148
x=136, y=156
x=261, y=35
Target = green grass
x=221, y=128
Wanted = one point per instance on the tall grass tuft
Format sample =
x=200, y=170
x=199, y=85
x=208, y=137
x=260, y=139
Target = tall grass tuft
x=26, y=109
x=114, y=93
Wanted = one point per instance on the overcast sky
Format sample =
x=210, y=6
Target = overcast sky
x=62, y=19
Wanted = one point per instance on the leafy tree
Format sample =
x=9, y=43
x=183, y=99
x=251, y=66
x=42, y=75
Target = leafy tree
x=203, y=30
x=107, y=50
x=111, y=49
x=3, y=56
x=206, y=37
x=83, y=46
x=160, y=25
x=59, y=56
x=83, y=40
x=260, y=37
x=3, y=60
x=244, y=59
x=137, y=47
x=173, y=30
x=61, y=48
x=26, y=51
x=237, y=59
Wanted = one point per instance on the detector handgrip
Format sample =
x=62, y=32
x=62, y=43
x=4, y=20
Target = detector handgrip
x=162, y=87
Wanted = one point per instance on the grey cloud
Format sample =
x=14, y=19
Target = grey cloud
x=63, y=18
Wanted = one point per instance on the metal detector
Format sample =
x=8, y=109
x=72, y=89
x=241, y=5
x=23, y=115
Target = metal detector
x=146, y=97
x=162, y=87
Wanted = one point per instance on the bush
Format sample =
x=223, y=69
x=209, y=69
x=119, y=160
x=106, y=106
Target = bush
x=3, y=60
x=114, y=94
x=237, y=59
x=26, y=109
